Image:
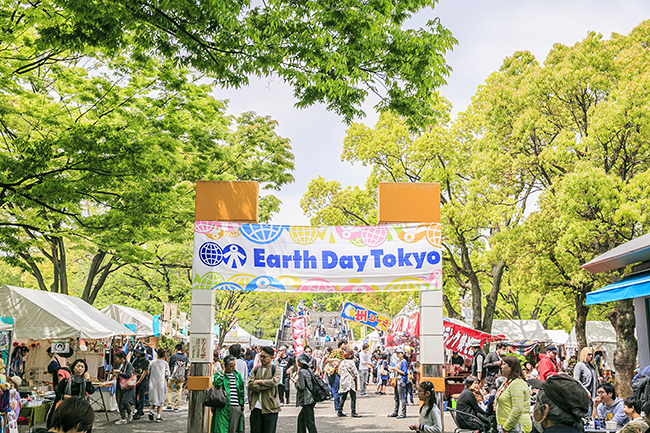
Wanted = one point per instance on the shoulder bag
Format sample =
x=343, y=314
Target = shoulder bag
x=215, y=397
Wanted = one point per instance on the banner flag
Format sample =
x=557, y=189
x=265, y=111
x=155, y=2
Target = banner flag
x=459, y=338
x=278, y=258
x=357, y=313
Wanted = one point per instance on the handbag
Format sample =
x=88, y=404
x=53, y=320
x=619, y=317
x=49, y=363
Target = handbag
x=393, y=382
x=215, y=397
x=128, y=383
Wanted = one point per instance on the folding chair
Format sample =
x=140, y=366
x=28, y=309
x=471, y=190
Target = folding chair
x=454, y=415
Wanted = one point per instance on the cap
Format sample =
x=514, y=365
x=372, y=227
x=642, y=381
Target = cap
x=567, y=393
x=476, y=343
x=399, y=350
x=551, y=348
x=282, y=348
x=305, y=359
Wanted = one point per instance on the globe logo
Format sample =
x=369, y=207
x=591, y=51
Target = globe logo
x=210, y=254
x=261, y=234
x=234, y=256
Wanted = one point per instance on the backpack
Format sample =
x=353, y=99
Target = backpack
x=180, y=366
x=638, y=386
x=319, y=389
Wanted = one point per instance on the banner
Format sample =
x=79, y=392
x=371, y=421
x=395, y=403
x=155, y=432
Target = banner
x=299, y=333
x=275, y=258
x=405, y=325
x=459, y=338
x=357, y=313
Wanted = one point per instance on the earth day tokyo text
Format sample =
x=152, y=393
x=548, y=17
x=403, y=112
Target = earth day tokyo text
x=330, y=260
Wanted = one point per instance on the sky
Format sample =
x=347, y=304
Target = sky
x=487, y=33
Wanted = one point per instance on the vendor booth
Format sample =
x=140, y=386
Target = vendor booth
x=239, y=335
x=601, y=335
x=142, y=321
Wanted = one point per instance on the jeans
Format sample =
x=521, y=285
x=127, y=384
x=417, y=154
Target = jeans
x=263, y=423
x=306, y=419
x=400, y=397
x=353, y=400
x=363, y=380
x=284, y=390
x=334, y=381
x=140, y=390
x=409, y=392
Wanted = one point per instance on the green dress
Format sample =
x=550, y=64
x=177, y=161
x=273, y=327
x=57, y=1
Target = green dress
x=221, y=416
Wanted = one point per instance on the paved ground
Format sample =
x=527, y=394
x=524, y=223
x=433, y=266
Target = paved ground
x=373, y=410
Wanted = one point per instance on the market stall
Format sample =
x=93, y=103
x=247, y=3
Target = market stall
x=601, y=335
x=142, y=321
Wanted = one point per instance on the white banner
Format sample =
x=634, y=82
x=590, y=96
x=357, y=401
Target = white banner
x=229, y=256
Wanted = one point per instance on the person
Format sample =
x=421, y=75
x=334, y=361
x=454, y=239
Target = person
x=636, y=423
x=401, y=371
x=467, y=403
x=585, y=372
x=178, y=363
x=365, y=362
x=140, y=367
x=530, y=371
x=547, y=365
x=263, y=401
x=74, y=415
x=492, y=365
x=561, y=405
x=457, y=359
x=216, y=362
x=313, y=364
x=608, y=406
x=230, y=418
x=331, y=368
x=348, y=383
x=304, y=396
x=158, y=374
x=285, y=362
x=56, y=362
x=249, y=358
x=78, y=384
x=125, y=397
x=430, y=418
x=513, y=399
x=478, y=360
x=240, y=365
x=382, y=372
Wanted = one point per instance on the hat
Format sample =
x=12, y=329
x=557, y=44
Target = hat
x=476, y=343
x=282, y=348
x=16, y=380
x=567, y=393
x=305, y=359
x=399, y=350
x=551, y=348
x=139, y=350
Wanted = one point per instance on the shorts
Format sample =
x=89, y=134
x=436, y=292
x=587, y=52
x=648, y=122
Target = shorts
x=384, y=382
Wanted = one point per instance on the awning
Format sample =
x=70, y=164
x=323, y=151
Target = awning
x=636, y=286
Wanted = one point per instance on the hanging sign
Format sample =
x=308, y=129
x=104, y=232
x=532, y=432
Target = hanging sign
x=357, y=313
x=459, y=338
x=275, y=258
x=60, y=346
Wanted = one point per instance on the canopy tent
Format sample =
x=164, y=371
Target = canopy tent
x=521, y=330
x=237, y=334
x=458, y=336
x=40, y=315
x=630, y=287
x=558, y=336
x=130, y=316
x=597, y=333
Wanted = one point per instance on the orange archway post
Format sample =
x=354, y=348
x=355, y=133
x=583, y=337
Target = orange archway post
x=420, y=203
x=215, y=201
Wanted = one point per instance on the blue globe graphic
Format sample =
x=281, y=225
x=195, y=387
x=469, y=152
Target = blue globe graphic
x=234, y=256
x=261, y=233
x=210, y=254
x=265, y=283
x=229, y=286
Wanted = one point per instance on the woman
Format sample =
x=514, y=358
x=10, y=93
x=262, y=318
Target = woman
x=348, y=382
x=585, y=372
x=74, y=415
x=304, y=397
x=158, y=375
x=430, y=419
x=77, y=385
x=229, y=419
x=125, y=397
x=383, y=374
x=467, y=403
x=530, y=372
x=513, y=399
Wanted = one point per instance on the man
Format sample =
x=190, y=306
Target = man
x=286, y=363
x=561, y=404
x=332, y=371
x=492, y=365
x=364, y=365
x=240, y=365
x=230, y=417
x=547, y=366
x=457, y=359
x=478, y=361
x=401, y=371
x=636, y=423
x=140, y=368
x=608, y=406
x=467, y=404
x=178, y=364
x=263, y=400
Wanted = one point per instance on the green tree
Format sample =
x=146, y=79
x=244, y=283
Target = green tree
x=332, y=52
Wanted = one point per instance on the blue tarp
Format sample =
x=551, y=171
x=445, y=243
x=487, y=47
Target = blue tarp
x=636, y=286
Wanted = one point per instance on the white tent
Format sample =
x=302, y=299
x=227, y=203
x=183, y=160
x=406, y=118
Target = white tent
x=40, y=315
x=130, y=316
x=597, y=333
x=558, y=336
x=520, y=330
x=237, y=334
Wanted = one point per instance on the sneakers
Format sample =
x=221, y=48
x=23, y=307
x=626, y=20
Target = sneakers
x=151, y=416
x=159, y=419
x=168, y=409
x=392, y=415
x=122, y=421
x=137, y=417
x=355, y=415
x=339, y=413
x=176, y=410
x=129, y=417
x=401, y=417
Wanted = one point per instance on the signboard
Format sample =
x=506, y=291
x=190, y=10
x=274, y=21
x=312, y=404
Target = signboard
x=60, y=346
x=357, y=313
x=278, y=258
x=459, y=338
x=200, y=349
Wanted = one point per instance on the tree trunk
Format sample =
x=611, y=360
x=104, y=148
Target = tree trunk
x=581, y=318
x=493, y=296
x=451, y=312
x=623, y=320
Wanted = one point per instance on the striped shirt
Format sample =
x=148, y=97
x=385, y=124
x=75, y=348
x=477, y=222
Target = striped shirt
x=234, y=397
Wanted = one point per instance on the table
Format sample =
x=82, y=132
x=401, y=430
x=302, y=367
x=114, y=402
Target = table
x=35, y=413
x=602, y=430
x=101, y=386
x=454, y=385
